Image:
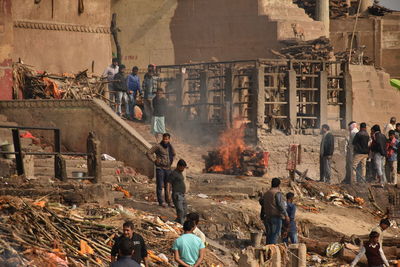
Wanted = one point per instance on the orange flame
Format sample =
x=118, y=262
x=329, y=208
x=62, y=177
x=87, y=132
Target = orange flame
x=231, y=146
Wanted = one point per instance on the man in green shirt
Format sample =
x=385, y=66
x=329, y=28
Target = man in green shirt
x=188, y=248
x=177, y=181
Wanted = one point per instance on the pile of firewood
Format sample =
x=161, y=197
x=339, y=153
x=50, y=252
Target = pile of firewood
x=339, y=8
x=318, y=49
x=42, y=85
x=251, y=163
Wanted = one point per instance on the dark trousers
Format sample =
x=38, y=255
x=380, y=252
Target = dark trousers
x=325, y=169
x=161, y=180
x=180, y=206
x=273, y=227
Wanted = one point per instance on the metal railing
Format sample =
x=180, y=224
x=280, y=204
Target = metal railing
x=59, y=163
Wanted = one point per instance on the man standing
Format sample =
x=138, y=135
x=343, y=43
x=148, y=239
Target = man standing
x=159, y=112
x=121, y=88
x=149, y=89
x=397, y=133
x=273, y=211
x=390, y=126
x=134, y=90
x=392, y=147
x=136, y=242
x=164, y=156
x=291, y=227
x=361, y=150
x=373, y=251
x=188, y=248
x=326, y=152
x=378, y=148
x=109, y=73
x=177, y=181
x=125, y=255
x=383, y=225
x=353, y=130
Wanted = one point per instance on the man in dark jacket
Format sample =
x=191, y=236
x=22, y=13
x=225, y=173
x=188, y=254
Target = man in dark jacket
x=378, y=148
x=135, y=240
x=125, y=255
x=273, y=210
x=361, y=150
x=326, y=152
x=164, y=156
x=121, y=88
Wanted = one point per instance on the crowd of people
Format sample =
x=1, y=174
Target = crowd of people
x=370, y=157
x=144, y=102
x=279, y=220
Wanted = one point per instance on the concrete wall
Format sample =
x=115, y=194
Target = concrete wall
x=6, y=42
x=76, y=119
x=57, y=38
x=180, y=31
x=374, y=100
x=380, y=35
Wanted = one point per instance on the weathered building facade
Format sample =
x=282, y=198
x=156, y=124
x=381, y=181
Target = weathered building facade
x=379, y=35
x=55, y=36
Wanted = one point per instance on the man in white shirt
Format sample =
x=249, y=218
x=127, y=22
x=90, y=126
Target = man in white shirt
x=109, y=73
x=383, y=225
x=390, y=126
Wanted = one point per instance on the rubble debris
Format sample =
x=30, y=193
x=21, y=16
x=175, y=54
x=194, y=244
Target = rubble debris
x=50, y=234
x=319, y=49
x=339, y=8
x=42, y=85
x=378, y=10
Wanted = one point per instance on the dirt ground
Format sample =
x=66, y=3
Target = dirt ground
x=229, y=206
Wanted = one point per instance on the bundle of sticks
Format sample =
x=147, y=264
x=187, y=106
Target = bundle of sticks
x=31, y=232
x=337, y=8
x=38, y=233
x=319, y=49
x=42, y=85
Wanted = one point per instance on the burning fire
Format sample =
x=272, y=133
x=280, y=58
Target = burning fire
x=231, y=146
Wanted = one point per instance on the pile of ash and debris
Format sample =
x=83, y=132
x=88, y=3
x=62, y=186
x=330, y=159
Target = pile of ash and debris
x=319, y=49
x=42, y=85
x=43, y=233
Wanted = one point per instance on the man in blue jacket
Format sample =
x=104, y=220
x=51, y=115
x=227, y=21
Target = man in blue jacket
x=133, y=90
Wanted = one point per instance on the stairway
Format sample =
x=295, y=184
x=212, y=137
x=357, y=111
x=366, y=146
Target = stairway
x=285, y=13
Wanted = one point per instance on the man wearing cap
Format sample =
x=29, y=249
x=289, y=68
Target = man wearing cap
x=109, y=73
x=178, y=184
x=390, y=126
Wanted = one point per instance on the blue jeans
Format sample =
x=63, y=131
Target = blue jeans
x=161, y=181
x=122, y=97
x=292, y=235
x=273, y=226
x=131, y=104
x=180, y=206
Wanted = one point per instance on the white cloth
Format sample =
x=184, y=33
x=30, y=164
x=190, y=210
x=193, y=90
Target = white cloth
x=110, y=72
x=197, y=232
x=389, y=127
x=362, y=253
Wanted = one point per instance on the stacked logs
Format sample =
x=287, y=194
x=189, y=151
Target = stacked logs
x=319, y=49
x=42, y=85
